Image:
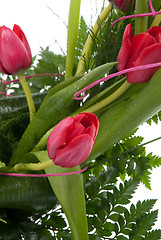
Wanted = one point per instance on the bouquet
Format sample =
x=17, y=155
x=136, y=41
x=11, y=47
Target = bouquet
x=70, y=157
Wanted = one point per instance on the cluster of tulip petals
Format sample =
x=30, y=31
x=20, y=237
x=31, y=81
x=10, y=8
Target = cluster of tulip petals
x=122, y=4
x=143, y=49
x=72, y=140
x=15, y=52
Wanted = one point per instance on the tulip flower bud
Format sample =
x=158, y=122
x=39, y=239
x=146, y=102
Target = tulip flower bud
x=122, y=4
x=144, y=48
x=72, y=140
x=15, y=53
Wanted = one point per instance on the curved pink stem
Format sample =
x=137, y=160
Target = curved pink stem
x=27, y=77
x=152, y=9
x=42, y=175
x=132, y=69
x=153, y=13
x=135, y=15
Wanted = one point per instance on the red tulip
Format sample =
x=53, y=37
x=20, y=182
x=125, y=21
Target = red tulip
x=122, y=4
x=15, y=53
x=144, y=48
x=72, y=140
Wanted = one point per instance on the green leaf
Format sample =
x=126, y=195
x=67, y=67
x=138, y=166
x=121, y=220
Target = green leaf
x=70, y=193
x=109, y=176
x=114, y=217
x=47, y=62
x=15, y=105
x=154, y=161
x=127, y=191
x=119, y=209
x=143, y=225
x=143, y=207
x=26, y=193
x=109, y=226
x=146, y=180
x=121, y=237
x=155, y=235
x=92, y=189
x=82, y=36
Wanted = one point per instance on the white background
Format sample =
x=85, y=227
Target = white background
x=44, y=27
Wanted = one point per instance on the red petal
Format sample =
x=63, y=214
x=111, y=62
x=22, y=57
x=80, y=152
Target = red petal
x=3, y=70
x=139, y=43
x=79, y=117
x=77, y=129
x=90, y=122
x=59, y=136
x=23, y=38
x=75, y=152
x=91, y=131
x=94, y=120
x=149, y=55
x=155, y=32
x=13, y=54
x=125, y=50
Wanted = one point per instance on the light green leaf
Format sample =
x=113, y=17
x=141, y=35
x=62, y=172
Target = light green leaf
x=70, y=193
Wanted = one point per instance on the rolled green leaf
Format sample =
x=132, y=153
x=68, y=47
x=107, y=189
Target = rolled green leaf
x=61, y=85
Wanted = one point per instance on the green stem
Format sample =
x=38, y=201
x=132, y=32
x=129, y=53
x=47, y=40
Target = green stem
x=28, y=95
x=31, y=166
x=89, y=42
x=42, y=143
x=106, y=101
x=141, y=23
x=73, y=23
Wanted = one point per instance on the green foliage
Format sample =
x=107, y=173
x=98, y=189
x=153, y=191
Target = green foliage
x=81, y=39
x=130, y=158
x=106, y=48
x=156, y=118
x=26, y=225
x=48, y=62
x=109, y=213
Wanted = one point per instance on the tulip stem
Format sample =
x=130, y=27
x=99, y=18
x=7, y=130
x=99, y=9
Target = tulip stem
x=73, y=23
x=89, y=42
x=42, y=143
x=31, y=166
x=106, y=101
x=28, y=95
x=141, y=23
